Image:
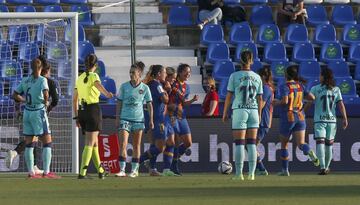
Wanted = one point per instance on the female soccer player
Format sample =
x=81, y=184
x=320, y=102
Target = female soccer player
x=179, y=95
x=246, y=87
x=88, y=114
x=266, y=114
x=130, y=117
x=326, y=96
x=35, y=121
x=292, y=118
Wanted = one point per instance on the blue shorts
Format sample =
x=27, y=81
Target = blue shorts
x=36, y=123
x=287, y=128
x=243, y=119
x=325, y=130
x=262, y=132
x=181, y=127
x=159, y=131
x=131, y=126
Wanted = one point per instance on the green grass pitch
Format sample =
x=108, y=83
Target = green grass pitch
x=207, y=189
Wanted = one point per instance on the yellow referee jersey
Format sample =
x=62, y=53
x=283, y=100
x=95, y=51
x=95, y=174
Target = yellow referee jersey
x=87, y=91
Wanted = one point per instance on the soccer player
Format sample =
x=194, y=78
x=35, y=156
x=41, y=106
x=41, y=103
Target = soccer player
x=292, y=118
x=178, y=99
x=266, y=114
x=88, y=114
x=247, y=89
x=35, y=121
x=54, y=95
x=326, y=96
x=130, y=118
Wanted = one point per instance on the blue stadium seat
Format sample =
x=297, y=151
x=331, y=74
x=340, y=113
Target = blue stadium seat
x=240, y=33
x=257, y=65
x=191, y=1
x=172, y=1
x=25, y=8
x=351, y=100
x=19, y=1
x=254, y=1
x=85, y=48
x=18, y=34
x=180, y=15
x=57, y=51
x=223, y=88
x=85, y=16
x=45, y=34
x=325, y=34
x=64, y=70
x=216, y=52
x=81, y=33
x=109, y=85
x=53, y=8
x=10, y=70
x=101, y=69
x=347, y=86
x=6, y=52
x=311, y=83
x=331, y=52
x=47, y=2
x=317, y=15
x=28, y=51
x=261, y=14
x=268, y=33
x=212, y=33
x=309, y=69
x=223, y=69
x=73, y=1
x=354, y=53
x=246, y=47
x=231, y=2
x=303, y=52
x=296, y=33
x=278, y=69
x=339, y=69
x=275, y=52
x=4, y=8
x=351, y=34
x=342, y=15
x=357, y=72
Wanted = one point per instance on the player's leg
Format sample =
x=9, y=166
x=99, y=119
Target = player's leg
x=239, y=125
x=136, y=134
x=251, y=133
x=124, y=136
x=284, y=155
x=96, y=157
x=168, y=154
x=260, y=167
x=186, y=142
x=86, y=154
x=320, y=134
x=329, y=141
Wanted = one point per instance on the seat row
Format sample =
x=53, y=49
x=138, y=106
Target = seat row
x=44, y=2
x=235, y=2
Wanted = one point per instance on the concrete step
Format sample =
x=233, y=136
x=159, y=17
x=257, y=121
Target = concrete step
x=124, y=18
x=141, y=2
x=124, y=30
x=118, y=52
x=162, y=40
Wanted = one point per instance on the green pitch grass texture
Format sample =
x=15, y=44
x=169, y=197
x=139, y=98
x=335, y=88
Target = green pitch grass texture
x=207, y=189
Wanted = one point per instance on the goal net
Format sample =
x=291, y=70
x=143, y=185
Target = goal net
x=25, y=36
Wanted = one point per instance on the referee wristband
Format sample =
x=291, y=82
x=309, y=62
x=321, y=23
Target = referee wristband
x=75, y=118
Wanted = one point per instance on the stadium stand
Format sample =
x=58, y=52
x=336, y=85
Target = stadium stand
x=4, y=8
x=268, y=33
x=246, y=47
x=101, y=69
x=325, y=33
x=85, y=48
x=351, y=34
x=6, y=52
x=275, y=52
x=212, y=33
x=179, y=15
x=10, y=70
x=18, y=34
x=261, y=14
x=240, y=33
x=296, y=33
x=316, y=15
x=216, y=52
x=278, y=69
x=57, y=51
x=303, y=52
x=53, y=8
x=354, y=53
x=73, y=1
x=340, y=69
x=47, y=2
x=85, y=18
x=342, y=15
x=331, y=52
x=223, y=69
x=309, y=69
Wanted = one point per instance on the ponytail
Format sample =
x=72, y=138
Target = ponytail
x=328, y=78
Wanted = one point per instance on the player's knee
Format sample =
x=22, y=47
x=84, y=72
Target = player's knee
x=48, y=145
x=30, y=144
x=187, y=144
x=329, y=142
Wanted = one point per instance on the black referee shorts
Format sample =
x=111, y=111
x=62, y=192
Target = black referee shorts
x=90, y=118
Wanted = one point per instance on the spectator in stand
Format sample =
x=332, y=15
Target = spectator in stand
x=291, y=11
x=210, y=106
x=210, y=11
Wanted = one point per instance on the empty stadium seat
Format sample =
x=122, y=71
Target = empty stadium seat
x=223, y=69
x=309, y=69
x=28, y=51
x=85, y=48
x=212, y=33
x=73, y=1
x=256, y=66
x=18, y=34
x=311, y=83
x=246, y=47
x=109, y=85
x=25, y=8
x=325, y=34
x=240, y=33
x=357, y=72
x=81, y=33
x=351, y=34
x=347, y=86
x=296, y=33
x=101, y=69
x=337, y=1
x=10, y=70
x=84, y=14
x=351, y=100
x=261, y=14
x=331, y=52
x=268, y=33
x=275, y=52
x=172, y=1
x=6, y=52
x=180, y=15
x=52, y=8
x=216, y=52
x=64, y=70
x=342, y=15
x=19, y=1
x=47, y=2
x=4, y=8
x=57, y=51
x=354, y=53
x=223, y=88
x=339, y=69
x=313, y=1
x=191, y=1
x=303, y=52
x=45, y=34
x=278, y=69
x=316, y=15
x=231, y=2
x=255, y=1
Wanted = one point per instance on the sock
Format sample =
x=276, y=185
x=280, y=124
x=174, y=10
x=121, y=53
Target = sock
x=153, y=159
x=182, y=149
x=320, y=152
x=168, y=156
x=239, y=156
x=259, y=165
x=35, y=154
x=305, y=148
x=176, y=153
x=134, y=164
x=252, y=154
x=29, y=158
x=85, y=159
x=122, y=163
x=284, y=156
x=151, y=153
x=46, y=157
x=96, y=160
x=20, y=147
x=174, y=163
x=328, y=152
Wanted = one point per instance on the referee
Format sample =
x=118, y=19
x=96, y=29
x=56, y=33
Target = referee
x=88, y=114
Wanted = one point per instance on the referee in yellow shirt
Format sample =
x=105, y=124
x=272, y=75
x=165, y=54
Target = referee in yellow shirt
x=88, y=114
